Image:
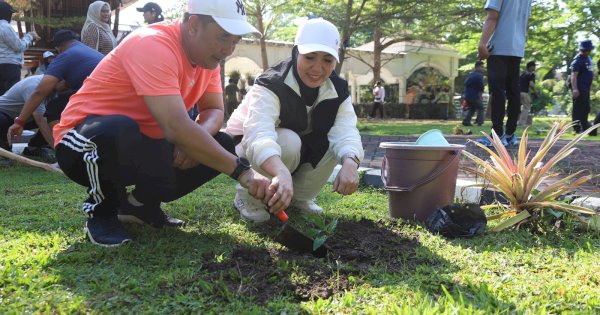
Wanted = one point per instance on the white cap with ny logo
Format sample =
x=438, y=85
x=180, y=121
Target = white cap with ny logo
x=229, y=14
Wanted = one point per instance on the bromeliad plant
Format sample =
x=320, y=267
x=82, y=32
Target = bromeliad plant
x=519, y=178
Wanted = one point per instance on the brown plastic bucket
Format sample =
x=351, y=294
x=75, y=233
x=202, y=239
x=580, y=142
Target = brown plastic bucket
x=419, y=179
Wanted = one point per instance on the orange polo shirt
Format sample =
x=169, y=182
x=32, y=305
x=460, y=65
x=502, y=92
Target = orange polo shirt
x=149, y=62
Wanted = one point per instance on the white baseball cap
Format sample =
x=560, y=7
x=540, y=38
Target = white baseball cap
x=229, y=14
x=47, y=54
x=318, y=35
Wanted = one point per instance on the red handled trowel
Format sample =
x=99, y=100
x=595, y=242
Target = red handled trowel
x=296, y=240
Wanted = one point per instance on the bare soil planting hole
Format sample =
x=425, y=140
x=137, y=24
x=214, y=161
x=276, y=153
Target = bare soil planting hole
x=265, y=273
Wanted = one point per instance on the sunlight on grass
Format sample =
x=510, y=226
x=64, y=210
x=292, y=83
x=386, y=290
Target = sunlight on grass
x=47, y=265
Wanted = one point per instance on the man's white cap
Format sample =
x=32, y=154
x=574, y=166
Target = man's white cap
x=318, y=35
x=229, y=14
x=47, y=54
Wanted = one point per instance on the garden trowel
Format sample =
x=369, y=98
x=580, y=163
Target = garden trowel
x=296, y=240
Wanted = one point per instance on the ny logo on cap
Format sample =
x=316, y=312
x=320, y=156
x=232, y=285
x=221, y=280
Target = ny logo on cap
x=240, y=7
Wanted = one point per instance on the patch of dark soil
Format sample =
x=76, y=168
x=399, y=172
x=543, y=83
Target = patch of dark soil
x=265, y=273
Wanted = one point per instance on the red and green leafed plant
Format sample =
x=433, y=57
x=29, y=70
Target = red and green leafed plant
x=519, y=178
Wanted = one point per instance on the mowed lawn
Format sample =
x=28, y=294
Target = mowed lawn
x=538, y=129
x=47, y=266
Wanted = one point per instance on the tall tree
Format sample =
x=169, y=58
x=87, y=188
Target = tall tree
x=264, y=13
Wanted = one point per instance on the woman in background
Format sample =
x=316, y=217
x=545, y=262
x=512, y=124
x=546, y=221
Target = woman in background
x=96, y=32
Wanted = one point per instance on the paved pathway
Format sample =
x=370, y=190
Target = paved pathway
x=586, y=157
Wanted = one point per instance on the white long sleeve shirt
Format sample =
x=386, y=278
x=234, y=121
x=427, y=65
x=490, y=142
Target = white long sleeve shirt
x=258, y=115
x=11, y=46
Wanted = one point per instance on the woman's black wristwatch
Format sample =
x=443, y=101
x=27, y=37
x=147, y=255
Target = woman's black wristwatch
x=242, y=165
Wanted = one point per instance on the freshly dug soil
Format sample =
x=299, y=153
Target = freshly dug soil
x=265, y=273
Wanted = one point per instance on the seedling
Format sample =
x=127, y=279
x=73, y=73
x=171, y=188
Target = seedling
x=320, y=230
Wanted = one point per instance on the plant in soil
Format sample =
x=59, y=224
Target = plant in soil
x=518, y=179
x=320, y=230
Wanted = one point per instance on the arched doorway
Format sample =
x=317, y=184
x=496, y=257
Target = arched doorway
x=428, y=94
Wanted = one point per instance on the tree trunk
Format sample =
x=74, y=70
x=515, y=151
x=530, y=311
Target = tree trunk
x=263, y=45
x=345, y=36
x=377, y=48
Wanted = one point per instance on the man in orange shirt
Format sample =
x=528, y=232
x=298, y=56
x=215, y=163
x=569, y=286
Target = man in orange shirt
x=128, y=124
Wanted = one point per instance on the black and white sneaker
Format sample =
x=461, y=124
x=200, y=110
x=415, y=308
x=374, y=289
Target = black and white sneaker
x=153, y=216
x=106, y=231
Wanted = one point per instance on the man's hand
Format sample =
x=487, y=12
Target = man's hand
x=182, y=161
x=257, y=185
x=346, y=182
x=575, y=93
x=14, y=130
x=35, y=35
x=484, y=52
x=282, y=191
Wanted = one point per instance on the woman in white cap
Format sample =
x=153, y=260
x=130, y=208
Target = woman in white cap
x=48, y=58
x=296, y=124
x=96, y=32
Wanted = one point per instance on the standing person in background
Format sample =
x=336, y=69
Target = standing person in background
x=527, y=83
x=96, y=32
x=582, y=75
x=231, y=97
x=11, y=49
x=152, y=13
x=502, y=43
x=473, y=95
x=242, y=92
x=378, y=98
x=597, y=118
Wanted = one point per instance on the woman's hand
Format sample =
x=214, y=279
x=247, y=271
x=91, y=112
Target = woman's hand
x=282, y=189
x=346, y=182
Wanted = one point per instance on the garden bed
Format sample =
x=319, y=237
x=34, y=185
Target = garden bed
x=266, y=273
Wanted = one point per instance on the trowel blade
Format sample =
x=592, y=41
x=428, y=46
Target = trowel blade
x=296, y=240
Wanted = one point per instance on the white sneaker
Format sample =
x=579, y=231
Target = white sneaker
x=250, y=209
x=306, y=206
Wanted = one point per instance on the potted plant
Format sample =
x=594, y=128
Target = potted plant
x=519, y=179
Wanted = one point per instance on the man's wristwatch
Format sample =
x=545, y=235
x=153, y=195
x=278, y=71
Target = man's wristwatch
x=353, y=157
x=242, y=165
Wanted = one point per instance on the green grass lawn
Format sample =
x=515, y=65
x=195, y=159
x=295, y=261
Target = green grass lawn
x=48, y=267
x=417, y=127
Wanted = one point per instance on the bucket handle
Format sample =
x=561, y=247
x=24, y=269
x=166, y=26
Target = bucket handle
x=420, y=182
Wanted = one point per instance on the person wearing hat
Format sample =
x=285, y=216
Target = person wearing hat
x=11, y=49
x=128, y=125
x=66, y=73
x=502, y=43
x=48, y=57
x=152, y=13
x=296, y=124
x=378, y=98
x=96, y=32
x=582, y=75
x=527, y=83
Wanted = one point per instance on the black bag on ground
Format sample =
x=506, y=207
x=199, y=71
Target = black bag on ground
x=457, y=220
